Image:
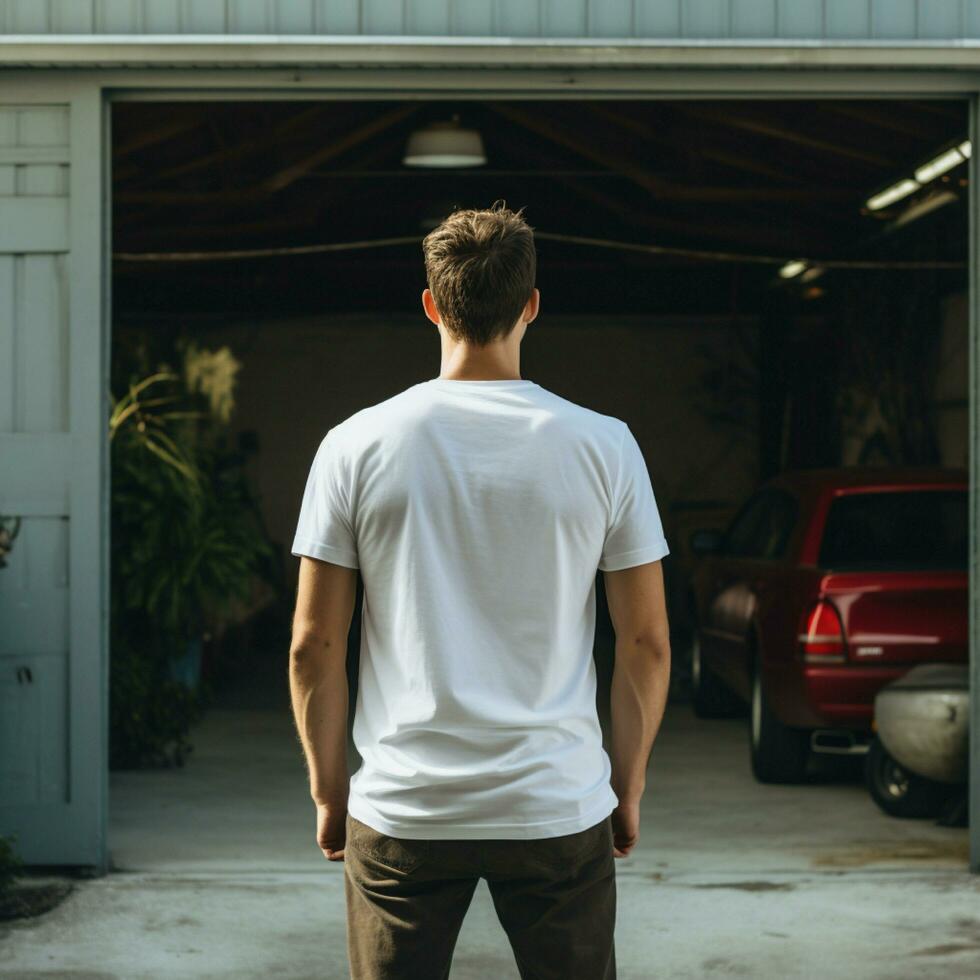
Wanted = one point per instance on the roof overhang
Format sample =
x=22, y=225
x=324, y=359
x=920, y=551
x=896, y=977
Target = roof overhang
x=272, y=51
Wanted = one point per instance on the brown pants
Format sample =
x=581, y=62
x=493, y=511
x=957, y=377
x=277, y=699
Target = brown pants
x=555, y=898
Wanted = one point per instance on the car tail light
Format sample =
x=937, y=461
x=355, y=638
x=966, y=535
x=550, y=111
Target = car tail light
x=822, y=634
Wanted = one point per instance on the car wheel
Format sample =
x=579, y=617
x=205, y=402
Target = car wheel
x=709, y=697
x=779, y=753
x=899, y=792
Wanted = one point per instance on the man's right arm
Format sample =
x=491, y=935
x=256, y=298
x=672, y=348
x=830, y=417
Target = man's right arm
x=641, y=675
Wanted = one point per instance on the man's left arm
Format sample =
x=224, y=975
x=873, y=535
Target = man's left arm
x=318, y=690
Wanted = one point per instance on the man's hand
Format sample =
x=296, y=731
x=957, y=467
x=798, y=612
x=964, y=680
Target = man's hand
x=626, y=828
x=331, y=830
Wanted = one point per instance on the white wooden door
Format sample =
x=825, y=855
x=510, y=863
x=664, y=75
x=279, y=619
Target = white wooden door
x=53, y=473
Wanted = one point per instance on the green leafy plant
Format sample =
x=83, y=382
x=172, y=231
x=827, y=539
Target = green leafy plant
x=10, y=864
x=187, y=547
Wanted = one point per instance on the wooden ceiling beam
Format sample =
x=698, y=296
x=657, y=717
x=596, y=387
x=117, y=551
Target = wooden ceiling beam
x=251, y=146
x=680, y=192
x=768, y=128
x=544, y=126
x=744, y=233
x=658, y=187
x=263, y=189
x=810, y=194
x=700, y=147
x=230, y=196
x=146, y=136
x=903, y=123
x=160, y=237
x=334, y=148
x=301, y=216
x=946, y=109
x=642, y=221
x=643, y=129
x=750, y=216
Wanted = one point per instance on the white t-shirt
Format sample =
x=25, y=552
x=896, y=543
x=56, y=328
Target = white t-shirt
x=478, y=513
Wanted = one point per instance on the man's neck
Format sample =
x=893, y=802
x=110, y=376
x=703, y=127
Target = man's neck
x=496, y=362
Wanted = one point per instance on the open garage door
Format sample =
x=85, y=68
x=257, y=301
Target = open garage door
x=283, y=238
x=52, y=479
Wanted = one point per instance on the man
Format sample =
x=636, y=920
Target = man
x=478, y=506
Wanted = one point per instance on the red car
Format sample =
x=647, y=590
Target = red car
x=826, y=585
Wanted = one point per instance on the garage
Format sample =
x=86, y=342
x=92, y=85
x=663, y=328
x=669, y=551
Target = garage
x=732, y=367
x=726, y=259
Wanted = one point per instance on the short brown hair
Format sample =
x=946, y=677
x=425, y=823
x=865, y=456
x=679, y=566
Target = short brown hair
x=481, y=267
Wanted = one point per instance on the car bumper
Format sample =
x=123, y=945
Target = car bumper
x=843, y=694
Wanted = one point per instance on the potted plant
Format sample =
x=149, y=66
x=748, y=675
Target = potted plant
x=187, y=544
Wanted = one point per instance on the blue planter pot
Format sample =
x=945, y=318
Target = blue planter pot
x=187, y=668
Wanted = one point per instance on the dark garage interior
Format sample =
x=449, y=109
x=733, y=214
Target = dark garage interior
x=747, y=283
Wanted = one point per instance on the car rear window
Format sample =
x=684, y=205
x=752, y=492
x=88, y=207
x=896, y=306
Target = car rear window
x=897, y=530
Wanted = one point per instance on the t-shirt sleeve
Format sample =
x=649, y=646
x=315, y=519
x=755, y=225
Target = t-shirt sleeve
x=635, y=535
x=325, y=528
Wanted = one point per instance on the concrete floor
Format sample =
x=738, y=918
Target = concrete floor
x=217, y=874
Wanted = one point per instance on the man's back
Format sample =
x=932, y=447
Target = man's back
x=478, y=513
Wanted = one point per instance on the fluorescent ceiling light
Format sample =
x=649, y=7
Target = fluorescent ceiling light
x=444, y=144
x=965, y=148
x=919, y=208
x=891, y=194
x=793, y=268
x=940, y=165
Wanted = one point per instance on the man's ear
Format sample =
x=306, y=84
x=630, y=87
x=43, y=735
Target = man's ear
x=429, y=305
x=532, y=306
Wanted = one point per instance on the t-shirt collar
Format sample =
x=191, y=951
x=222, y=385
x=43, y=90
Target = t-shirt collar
x=492, y=383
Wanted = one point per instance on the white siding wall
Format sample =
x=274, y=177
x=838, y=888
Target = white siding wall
x=53, y=473
x=34, y=449
x=773, y=19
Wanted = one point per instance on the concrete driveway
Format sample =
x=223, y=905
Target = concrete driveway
x=217, y=874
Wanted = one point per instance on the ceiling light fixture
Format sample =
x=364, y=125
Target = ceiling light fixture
x=445, y=144
x=938, y=166
x=792, y=268
x=892, y=194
